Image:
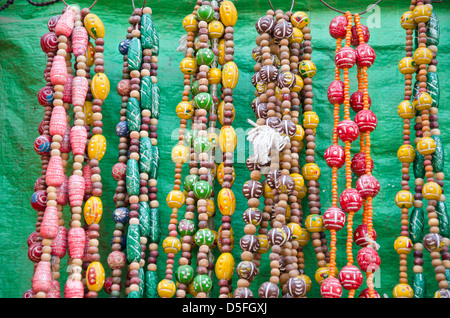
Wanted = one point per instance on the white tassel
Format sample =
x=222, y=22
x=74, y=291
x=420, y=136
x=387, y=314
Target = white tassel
x=264, y=139
x=183, y=44
x=373, y=244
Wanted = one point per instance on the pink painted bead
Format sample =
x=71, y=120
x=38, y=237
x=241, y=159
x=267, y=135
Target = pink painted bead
x=350, y=277
x=79, y=90
x=336, y=92
x=357, y=101
x=347, y=130
x=62, y=193
x=76, y=240
x=58, y=122
x=55, y=172
x=59, y=244
x=368, y=259
x=65, y=143
x=87, y=174
x=331, y=288
x=58, y=72
x=32, y=238
x=80, y=39
x=365, y=55
x=334, y=219
x=49, y=42
x=350, y=200
x=49, y=225
x=78, y=138
x=116, y=260
x=35, y=252
x=355, y=36
x=119, y=171
x=366, y=120
x=67, y=92
x=65, y=23
x=345, y=57
x=73, y=289
x=86, y=255
x=359, y=164
x=338, y=27
x=55, y=291
x=368, y=186
x=365, y=294
x=39, y=200
x=45, y=96
x=52, y=23
x=335, y=156
x=76, y=190
x=361, y=235
x=42, y=144
x=107, y=287
x=42, y=278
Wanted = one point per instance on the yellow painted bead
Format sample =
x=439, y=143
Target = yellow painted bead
x=406, y=154
x=267, y=191
x=214, y=75
x=93, y=210
x=299, y=19
x=221, y=115
x=226, y=201
x=175, y=199
x=228, y=13
x=422, y=101
x=431, y=191
x=321, y=274
x=296, y=231
x=297, y=36
x=188, y=65
x=190, y=23
x=407, y=65
x=100, y=86
x=307, y=281
x=166, y=288
x=426, y=146
x=225, y=266
x=311, y=171
x=184, y=110
x=230, y=75
x=278, y=93
x=403, y=291
x=404, y=199
x=421, y=13
x=213, y=139
x=307, y=68
x=87, y=111
x=298, y=84
x=310, y=120
x=221, y=48
x=97, y=147
x=406, y=110
x=95, y=276
x=90, y=52
x=261, y=87
x=227, y=139
x=304, y=237
x=298, y=180
x=215, y=29
x=180, y=154
x=288, y=214
x=94, y=26
x=407, y=21
x=210, y=208
x=299, y=133
x=171, y=245
x=423, y=55
x=314, y=223
x=264, y=244
x=221, y=174
x=403, y=245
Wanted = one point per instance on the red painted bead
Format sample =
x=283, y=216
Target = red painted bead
x=55, y=172
x=42, y=144
x=42, y=278
x=65, y=23
x=80, y=40
x=359, y=164
x=78, y=138
x=35, y=252
x=45, y=96
x=368, y=186
x=347, y=130
x=52, y=23
x=49, y=42
x=334, y=219
x=350, y=200
x=361, y=235
x=336, y=92
x=49, y=226
x=357, y=101
x=58, y=122
x=59, y=244
x=365, y=55
x=365, y=294
x=331, y=288
x=67, y=92
x=338, y=27
x=350, y=277
x=76, y=190
x=366, y=120
x=355, y=36
x=80, y=87
x=32, y=238
x=368, y=259
x=76, y=239
x=119, y=171
x=345, y=57
x=39, y=200
x=73, y=288
x=335, y=156
x=58, y=73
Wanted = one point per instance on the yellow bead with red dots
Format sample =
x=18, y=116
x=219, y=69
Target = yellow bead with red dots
x=311, y=171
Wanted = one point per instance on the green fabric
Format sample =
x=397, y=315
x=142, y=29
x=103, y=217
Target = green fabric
x=22, y=64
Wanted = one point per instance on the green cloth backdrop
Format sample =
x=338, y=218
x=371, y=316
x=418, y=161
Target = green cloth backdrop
x=22, y=64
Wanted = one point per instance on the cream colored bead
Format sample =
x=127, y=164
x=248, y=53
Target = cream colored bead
x=46, y=257
x=143, y=240
x=134, y=155
x=77, y=166
x=51, y=203
x=75, y=223
x=143, y=134
x=134, y=221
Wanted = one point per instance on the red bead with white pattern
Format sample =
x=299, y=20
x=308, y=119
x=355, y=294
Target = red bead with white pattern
x=365, y=55
x=350, y=277
x=368, y=186
x=357, y=101
x=366, y=120
x=335, y=156
x=334, y=219
x=347, y=130
x=358, y=165
x=338, y=27
x=345, y=58
x=365, y=294
x=355, y=36
x=350, y=200
x=368, y=259
x=335, y=92
x=331, y=288
x=361, y=234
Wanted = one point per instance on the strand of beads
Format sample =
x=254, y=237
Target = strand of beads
x=117, y=259
x=93, y=209
x=225, y=263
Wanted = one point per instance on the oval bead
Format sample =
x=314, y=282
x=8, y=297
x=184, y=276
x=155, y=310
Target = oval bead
x=100, y=86
x=227, y=139
x=228, y=13
x=97, y=147
x=230, y=75
x=226, y=201
x=65, y=23
x=132, y=179
x=93, y=210
x=94, y=26
x=95, y=276
x=133, y=243
x=225, y=265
